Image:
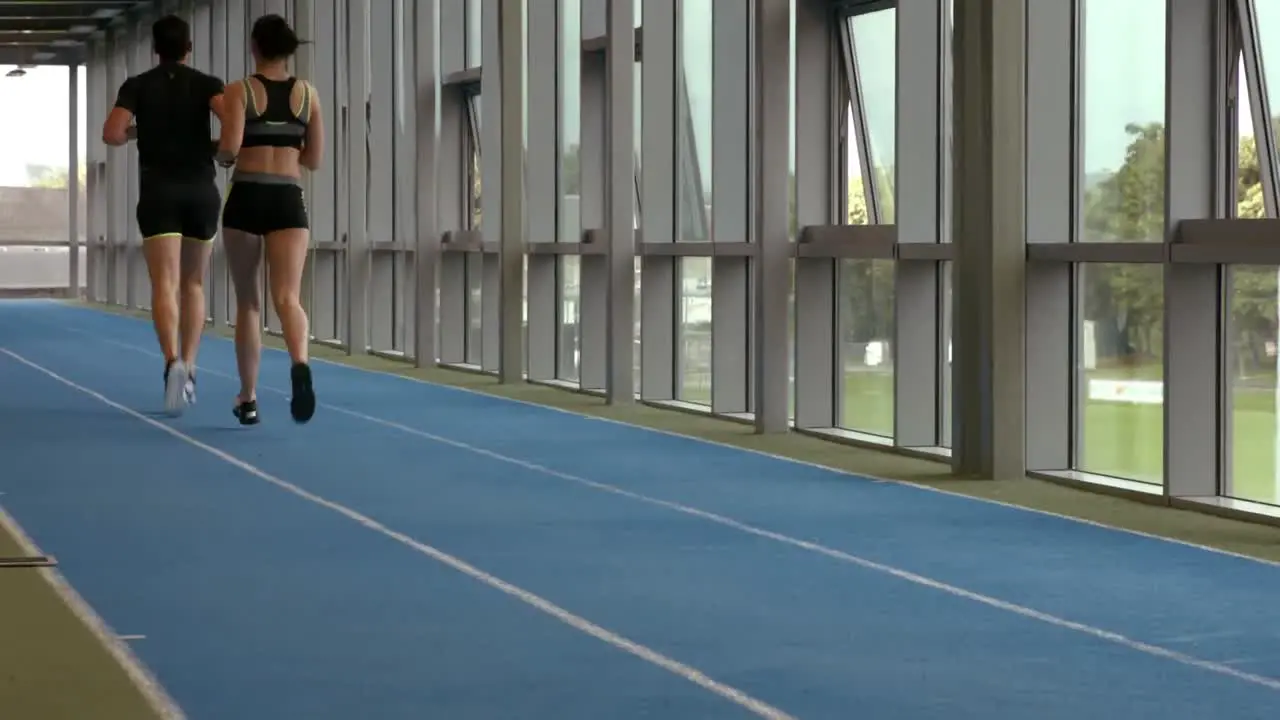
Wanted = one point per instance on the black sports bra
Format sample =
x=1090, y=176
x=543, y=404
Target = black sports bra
x=277, y=125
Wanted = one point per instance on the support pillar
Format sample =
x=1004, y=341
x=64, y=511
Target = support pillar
x=771, y=262
x=990, y=238
x=511, y=204
x=73, y=183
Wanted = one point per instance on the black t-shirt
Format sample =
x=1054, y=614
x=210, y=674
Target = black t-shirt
x=171, y=105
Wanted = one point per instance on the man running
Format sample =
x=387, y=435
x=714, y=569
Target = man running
x=178, y=200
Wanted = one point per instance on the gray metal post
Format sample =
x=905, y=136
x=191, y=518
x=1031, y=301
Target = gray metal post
x=771, y=264
x=511, y=238
x=990, y=238
x=73, y=183
x=620, y=203
x=427, y=255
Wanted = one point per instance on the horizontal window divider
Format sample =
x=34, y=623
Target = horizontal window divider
x=1228, y=231
x=470, y=76
x=330, y=246
x=927, y=252
x=600, y=44
x=1099, y=252
x=565, y=248
x=1229, y=253
x=695, y=249
x=462, y=241
x=391, y=246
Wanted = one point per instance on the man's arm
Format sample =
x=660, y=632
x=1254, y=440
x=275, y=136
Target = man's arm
x=232, y=117
x=117, y=130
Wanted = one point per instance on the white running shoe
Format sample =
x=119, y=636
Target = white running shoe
x=175, y=385
x=189, y=390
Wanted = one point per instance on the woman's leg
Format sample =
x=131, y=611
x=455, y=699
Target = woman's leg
x=286, y=258
x=244, y=260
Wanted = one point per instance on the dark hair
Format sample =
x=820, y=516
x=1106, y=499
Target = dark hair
x=171, y=38
x=274, y=38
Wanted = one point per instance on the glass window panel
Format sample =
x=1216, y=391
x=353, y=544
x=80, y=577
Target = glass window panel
x=1120, y=371
x=471, y=18
x=856, y=207
x=866, y=345
x=694, y=122
x=570, y=121
x=475, y=286
x=1122, y=119
x=1251, y=374
x=1267, y=13
x=693, y=359
x=875, y=47
x=1249, y=202
x=568, y=348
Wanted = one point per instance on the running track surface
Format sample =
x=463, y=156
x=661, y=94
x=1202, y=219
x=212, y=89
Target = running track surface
x=423, y=551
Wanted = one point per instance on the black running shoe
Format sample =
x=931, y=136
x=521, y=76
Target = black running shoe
x=246, y=412
x=302, y=403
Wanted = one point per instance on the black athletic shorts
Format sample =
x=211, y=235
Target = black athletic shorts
x=189, y=209
x=263, y=208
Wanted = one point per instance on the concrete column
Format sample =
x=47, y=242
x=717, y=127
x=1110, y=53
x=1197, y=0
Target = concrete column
x=990, y=238
x=73, y=183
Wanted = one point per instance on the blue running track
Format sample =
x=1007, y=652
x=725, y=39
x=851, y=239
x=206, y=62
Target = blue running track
x=420, y=551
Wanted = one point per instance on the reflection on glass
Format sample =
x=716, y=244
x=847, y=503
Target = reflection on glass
x=567, y=348
x=1254, y=362
x=875, y=47
x=866, y=346
x=693, y=122
x=791, y=346
x=475, y=310
x=1122, y=119
x=472, y=20
x=856, y=207
x=570, y=123
x=1267, y=13
x=693, y=361
x=473, y=137
x=1120, y=371
x=1249, y=203
x=638, y=313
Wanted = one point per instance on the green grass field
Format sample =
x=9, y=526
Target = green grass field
x=1118, y=439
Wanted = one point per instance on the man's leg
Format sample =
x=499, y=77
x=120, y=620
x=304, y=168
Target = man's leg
x=162, y=253
x=194, y=263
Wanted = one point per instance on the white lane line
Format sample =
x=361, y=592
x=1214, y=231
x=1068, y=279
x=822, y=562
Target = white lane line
x=675, y=667
x=716, y=443
x=133, y=637
x=908, y=576
x=141, y=677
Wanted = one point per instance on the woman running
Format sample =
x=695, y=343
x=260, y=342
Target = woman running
x=273, y=125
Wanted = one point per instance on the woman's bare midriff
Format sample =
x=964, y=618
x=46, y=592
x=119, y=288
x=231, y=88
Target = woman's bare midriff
x=269, y=161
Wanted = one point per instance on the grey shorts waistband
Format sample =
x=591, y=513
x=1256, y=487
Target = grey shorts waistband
x=240, y=176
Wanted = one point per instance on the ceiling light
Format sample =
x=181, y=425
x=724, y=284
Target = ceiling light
x=43, y=55
x=82, y=29
x=66, y=42
x=104, y=13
